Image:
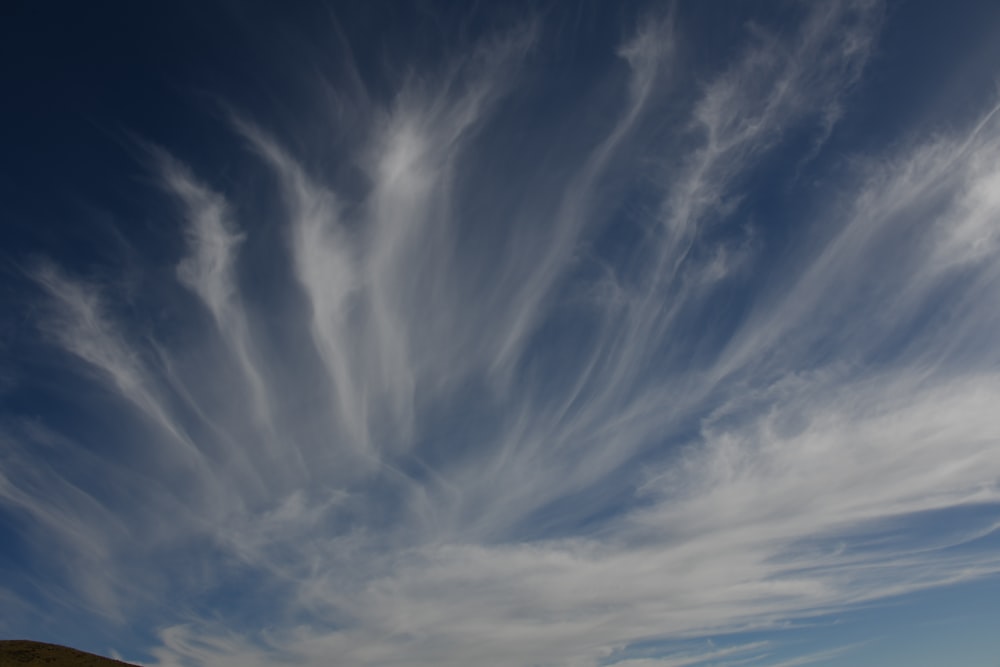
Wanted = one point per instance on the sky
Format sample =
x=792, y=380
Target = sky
x=527, y=334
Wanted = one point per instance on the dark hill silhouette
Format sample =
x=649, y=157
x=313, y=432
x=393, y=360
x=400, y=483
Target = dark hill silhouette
x=23, y=653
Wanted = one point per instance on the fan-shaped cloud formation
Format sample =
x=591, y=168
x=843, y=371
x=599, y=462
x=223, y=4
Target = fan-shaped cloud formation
x=482, y=416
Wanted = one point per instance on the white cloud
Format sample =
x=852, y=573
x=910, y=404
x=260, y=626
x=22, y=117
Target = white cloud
x=437, y=450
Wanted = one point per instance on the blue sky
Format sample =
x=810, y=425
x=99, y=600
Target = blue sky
x=542, y=334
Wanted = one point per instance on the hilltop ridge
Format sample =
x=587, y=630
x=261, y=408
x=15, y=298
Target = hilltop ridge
x=26, y=653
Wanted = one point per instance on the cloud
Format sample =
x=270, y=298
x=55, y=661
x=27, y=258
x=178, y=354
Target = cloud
x=210, y=271
x=472, y=428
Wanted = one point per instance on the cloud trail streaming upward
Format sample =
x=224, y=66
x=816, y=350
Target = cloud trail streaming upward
x=517, y=404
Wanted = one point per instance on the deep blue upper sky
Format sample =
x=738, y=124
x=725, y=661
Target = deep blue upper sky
x=411, y=333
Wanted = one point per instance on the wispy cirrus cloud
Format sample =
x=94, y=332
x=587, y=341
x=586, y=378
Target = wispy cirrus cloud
x=473, y=429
